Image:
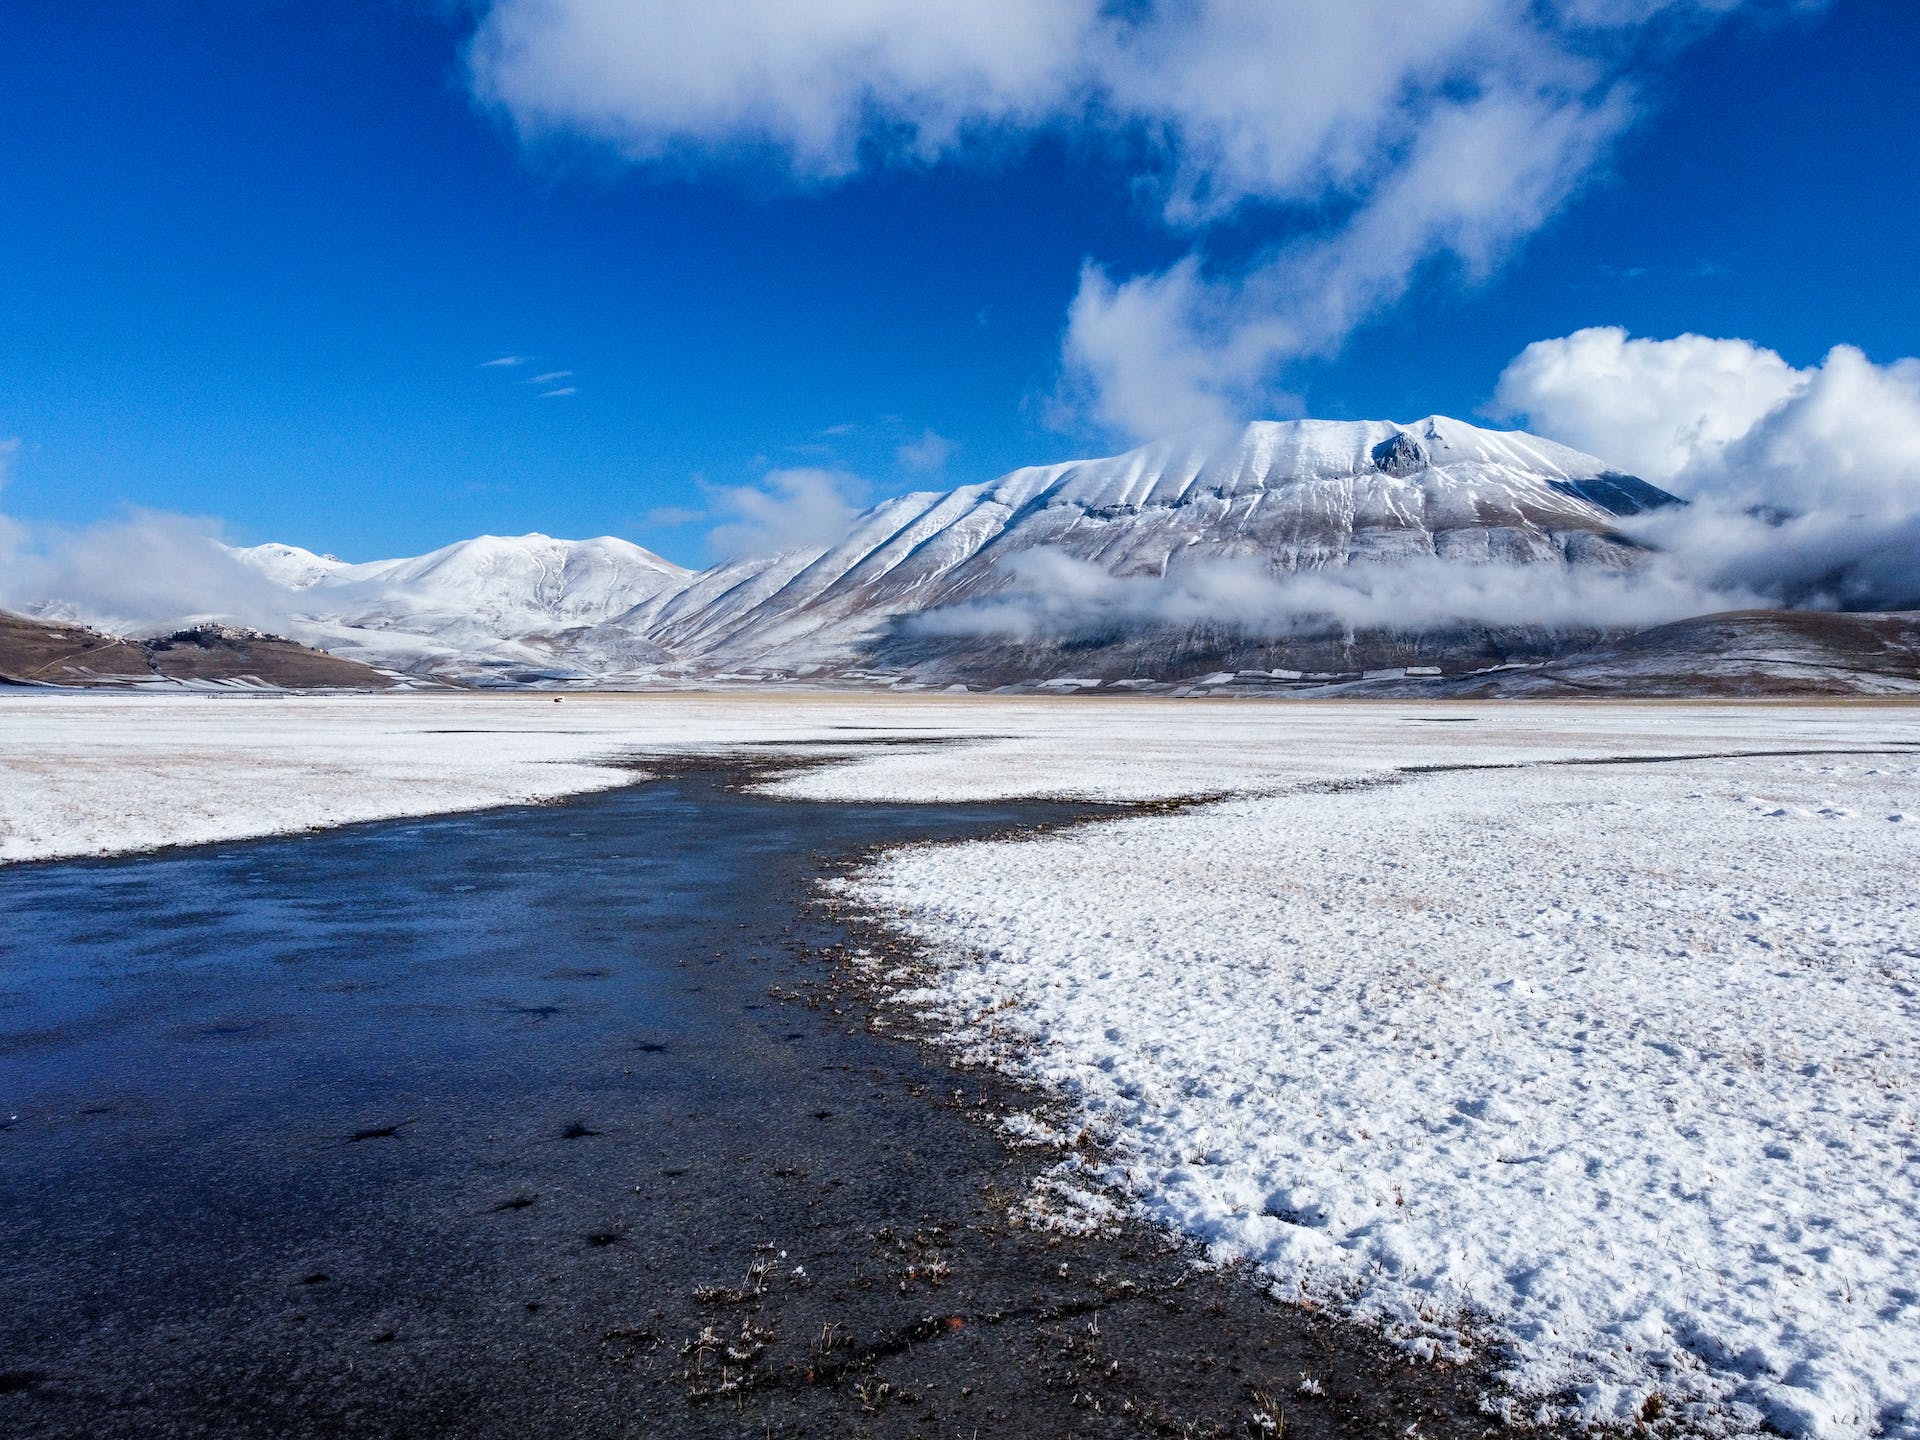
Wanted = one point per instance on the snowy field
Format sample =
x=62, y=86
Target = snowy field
x=1612, y=1067
x=101, y=774
x=1609, y=1069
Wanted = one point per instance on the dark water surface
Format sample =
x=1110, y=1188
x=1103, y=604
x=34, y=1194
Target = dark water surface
x=473, y=1126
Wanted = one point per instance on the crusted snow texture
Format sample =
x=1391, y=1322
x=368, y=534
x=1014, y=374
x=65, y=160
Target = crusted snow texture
x=1615, y=1068
x=1615, y=1062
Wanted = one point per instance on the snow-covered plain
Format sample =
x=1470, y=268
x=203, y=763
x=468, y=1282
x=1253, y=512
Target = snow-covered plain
x=90, y=774
x=1609, y=1068
x=1613, y=1069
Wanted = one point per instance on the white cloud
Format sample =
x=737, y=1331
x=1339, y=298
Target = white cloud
x=794, y=509
x=147, y=572
x=1186, y=347
x=1387, y=133
x=558, y=392
x=808, y=82
x=1653, y=407
x=1805, y=482
x=671, y=516
x=502, y=360
x=1055, y=596
x=926, y=455
x=550, y=377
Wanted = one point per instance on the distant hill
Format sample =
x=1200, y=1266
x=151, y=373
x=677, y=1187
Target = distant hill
x=1146, y=570
x=1742, y=652
x=1280, y=498
x=512, y=610
x=1275, y=498
x=38, y=652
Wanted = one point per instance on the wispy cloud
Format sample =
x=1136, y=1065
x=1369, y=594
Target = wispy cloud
x=788, y=510
x=145, y=572
x=1056, y=596
x=669, y=517
x=1376, y=135
x=547, y=382
x=13, y=535
x=926, y=455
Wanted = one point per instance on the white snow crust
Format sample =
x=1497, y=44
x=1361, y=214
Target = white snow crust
x=1613, y=1070
x=1607, y=1069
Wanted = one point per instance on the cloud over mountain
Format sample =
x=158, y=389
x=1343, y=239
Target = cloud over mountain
x=1805, y=482
x=143, y=572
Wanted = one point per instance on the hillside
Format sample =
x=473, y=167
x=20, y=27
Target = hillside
x=38, y=652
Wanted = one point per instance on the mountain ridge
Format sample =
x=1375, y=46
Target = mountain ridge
x=1325, y=548
x=1288, y=497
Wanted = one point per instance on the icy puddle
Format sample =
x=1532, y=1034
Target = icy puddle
x=543, y=1122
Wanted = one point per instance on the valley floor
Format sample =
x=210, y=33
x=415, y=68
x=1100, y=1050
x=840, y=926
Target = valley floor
x=1586, y=1036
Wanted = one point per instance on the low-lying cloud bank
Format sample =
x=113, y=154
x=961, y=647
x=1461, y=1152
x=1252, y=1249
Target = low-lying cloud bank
x=1805, y=483
x=1057, y=596
x=1804, y=491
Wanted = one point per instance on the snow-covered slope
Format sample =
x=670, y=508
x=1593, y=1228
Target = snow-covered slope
x=1271, y=499
x=515, y=608
x=289, y=565
x=1278, y=497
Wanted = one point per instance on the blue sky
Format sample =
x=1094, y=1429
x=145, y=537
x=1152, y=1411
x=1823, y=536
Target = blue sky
x=253, y=257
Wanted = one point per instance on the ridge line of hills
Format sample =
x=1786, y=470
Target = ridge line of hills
x=1167, y=568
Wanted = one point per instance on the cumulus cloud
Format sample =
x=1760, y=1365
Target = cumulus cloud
x=807, y=83
x=144, y=573
x=1188, y=347
x=1653, y=407
x=793, y=509
x=1378, y=135
x=1805, y=482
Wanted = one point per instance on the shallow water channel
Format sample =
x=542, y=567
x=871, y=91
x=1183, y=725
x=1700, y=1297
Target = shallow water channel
x=550, y=1121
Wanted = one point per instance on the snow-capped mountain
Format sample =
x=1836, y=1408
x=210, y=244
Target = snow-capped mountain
x=913, y=583
x=521, y=607
x=1277, y=498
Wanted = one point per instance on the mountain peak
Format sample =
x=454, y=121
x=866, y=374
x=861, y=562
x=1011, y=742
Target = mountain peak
x=1271, y=496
